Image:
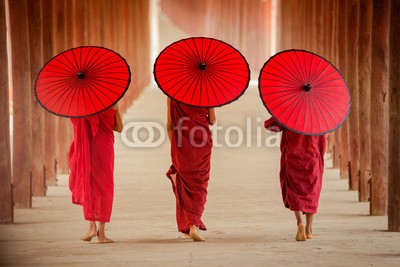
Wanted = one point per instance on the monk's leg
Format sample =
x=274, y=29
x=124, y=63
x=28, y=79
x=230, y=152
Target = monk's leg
x=301, y=233
x=309, y=221
x=91, y=232
x=173, y=178
x=194, y=234
x=101, y=236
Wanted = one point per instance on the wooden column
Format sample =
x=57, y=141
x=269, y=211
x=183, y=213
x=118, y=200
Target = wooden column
x=335, y=61
x=50, y=129
x=21, y=103
x=63, y=143
x=342, y=65
x=6, y=203
x=379, y=107
x=364, y=85
x=352, y=12
x=36, y=60
x=394, y=119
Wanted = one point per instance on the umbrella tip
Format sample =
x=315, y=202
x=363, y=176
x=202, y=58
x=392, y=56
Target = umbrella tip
x=307, y=87
x=202, y=66
x=81, y=75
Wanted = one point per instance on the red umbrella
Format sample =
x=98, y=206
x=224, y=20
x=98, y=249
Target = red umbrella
x=202, y=72
x=304, y=92
x=82, y=81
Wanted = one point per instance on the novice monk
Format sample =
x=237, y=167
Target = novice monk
x=91, y=160
x=302, y=166
x=191, y=144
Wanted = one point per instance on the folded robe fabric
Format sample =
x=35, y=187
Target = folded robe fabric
x=191, y=146
x=91, y=162
x=302, y=167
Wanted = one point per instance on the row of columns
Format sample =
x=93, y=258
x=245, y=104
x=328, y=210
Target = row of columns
x=38, y=30
x=244, y=24
x=355, y=36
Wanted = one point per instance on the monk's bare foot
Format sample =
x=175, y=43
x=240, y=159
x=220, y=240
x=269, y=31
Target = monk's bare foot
x=88, y=237
x=194, y=234
x=184, y=236
x=101, y=238
x=301, y=233
x=309, y=233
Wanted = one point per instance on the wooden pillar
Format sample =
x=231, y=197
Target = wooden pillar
x=335, y=61
x=21, y=103
x=379, y=107
x=6, y=203
x=36, y=61
x=342, y=65
x=50, y=129
x=364, y=85
x=352, y=12
x=63, y=143
x=394, y=119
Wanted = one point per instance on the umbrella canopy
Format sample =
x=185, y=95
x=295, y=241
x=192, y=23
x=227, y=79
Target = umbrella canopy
x=202, y=72
x=82, y=81
x=304, y=92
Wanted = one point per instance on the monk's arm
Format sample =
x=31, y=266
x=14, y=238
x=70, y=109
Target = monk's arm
x=118, y=121
x=211, y=116
x=170, y=127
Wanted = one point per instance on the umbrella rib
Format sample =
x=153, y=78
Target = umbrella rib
x=70, y=103
x=91, y=100
x=299, y=67
x=92, y=84
x=211, y=81
x=334, y=105
x=298, y=114
x=216, y=81
x=292, y=71
x=315, y=105
x=310, y=70
x=295, y=99
x=95, y=62
x=49, y=90
x=74, y=57
x=84, y=65
x=326, y=112
x=198, y=80
x=213, y=52
x=287, y=72
x=291, y=95
x=228, y=82
x=65, y=98
x=197, y=51
x=190, y=85
x=180, y=54
x=319, y=74
x=73, y=70
x=323, y=82
x=60, y=94
x=47, y=94
x=287, y=81
x=105, y=87
x=66, y=68
x=280, y=93
x=332, y=108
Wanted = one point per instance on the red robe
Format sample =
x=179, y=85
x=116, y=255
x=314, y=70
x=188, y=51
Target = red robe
x=191, y=146
x=91, y=161
x=302, y=166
